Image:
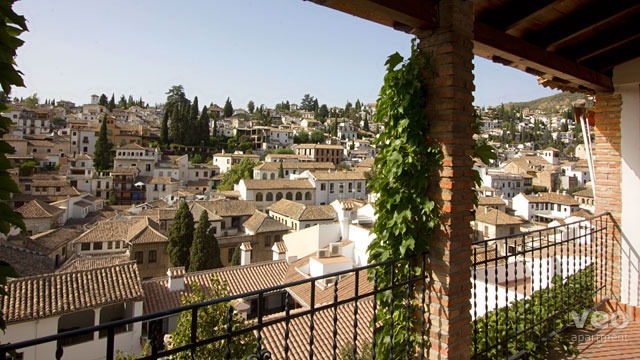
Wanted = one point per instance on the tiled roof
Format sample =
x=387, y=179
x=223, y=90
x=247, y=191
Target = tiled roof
x=277, y=184
x=163, y=180
x=324, y=295
x=275, y=166
x=588, y=192
x=125, y=170
x=366, y=163
x=55, y=294
x=490, y=200
x=131, y=146
x=301, y=212
x=320, y=146
x=299, y=332
x=261, y=223
x=38, y=209
x=282, y=247
x=51, y=240
x=225, y=208
x=134, y=230
x=339, y=175
x=496, y=217
x=49, y=182
x=88, y=262
x=240, y=279
x=555, y=198
x=25, y=262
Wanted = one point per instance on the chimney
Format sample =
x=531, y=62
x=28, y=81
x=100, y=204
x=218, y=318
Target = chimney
x=245, y=253
x=346, y=221
x=176, y=278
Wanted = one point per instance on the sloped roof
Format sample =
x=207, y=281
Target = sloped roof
x=339, y=175
x=56, y=294
x=300, y=212
x=588, y=192
x=224, y=208
x=287, y=165
x=26, y=262
x=240, y=279
x=261, y=223
x=497, y=217
x=87, y=262
x=277, y=184
x=38, y=209
x=555, y=198
x=490, y=200
x=48, y=241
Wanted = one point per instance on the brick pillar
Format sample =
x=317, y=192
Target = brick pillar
x=450, y=115
x=607, y=153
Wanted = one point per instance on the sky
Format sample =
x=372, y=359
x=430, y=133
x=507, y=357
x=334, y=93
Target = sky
x=267, y=51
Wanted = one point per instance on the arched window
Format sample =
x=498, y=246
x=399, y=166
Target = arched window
x=264, y=176
x=259, y=196
x=289, y=195
x=273, y=176
x=298, y=195
x=307, y=196
x=278, y=196
x=269, y=196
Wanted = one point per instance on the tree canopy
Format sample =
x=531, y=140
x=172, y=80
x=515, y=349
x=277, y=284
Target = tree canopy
x=205, y=252
x=102, y=155
x=237, y=172
x=227, y=111
x=181, y=236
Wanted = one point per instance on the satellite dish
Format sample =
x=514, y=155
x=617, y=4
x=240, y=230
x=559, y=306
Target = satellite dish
x=139, y=184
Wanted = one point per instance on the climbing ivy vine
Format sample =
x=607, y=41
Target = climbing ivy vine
x=406, y=214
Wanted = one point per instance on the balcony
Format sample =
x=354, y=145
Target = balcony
x=527, y=289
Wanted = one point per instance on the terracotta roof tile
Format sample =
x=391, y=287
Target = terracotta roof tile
x=38, y=209
x=88, y=262
x=55, y=294
x=497, y=217
x=275, y=166
x=51, y=240
x=240, y=279
x=490, y=200
x=339, y=175
x=26, y=262
x=260, y=222
x=277, y=184
x=555, y=198
x=301, y=212
x=226, y=208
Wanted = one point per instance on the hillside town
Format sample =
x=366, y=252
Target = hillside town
x=279, y=206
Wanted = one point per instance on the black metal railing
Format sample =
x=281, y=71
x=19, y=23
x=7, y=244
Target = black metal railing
x=528, y=287
x=334, y=316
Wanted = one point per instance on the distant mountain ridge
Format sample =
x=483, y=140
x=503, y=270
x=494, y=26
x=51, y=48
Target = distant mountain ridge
x=550, y=104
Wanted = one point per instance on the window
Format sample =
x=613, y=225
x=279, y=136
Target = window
x=331, y=188
x=298, y=195
x=289, y=195
x=323, y=187
x=230, y=254
x=359, y=186
x=153, y=256
x=267, y=241
x=259, y=196
x=269, y=196
x=512, y=230
x=97, y=246
x=139, y=256
x=350, y=187
x=278, y=196
x=109, y=245
x=85, y=246
x=486, y=231
x=264, y=176
x=307, y=196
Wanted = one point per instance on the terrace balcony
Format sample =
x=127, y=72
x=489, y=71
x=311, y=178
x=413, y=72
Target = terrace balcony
x=528, y=290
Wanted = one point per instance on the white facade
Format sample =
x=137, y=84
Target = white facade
x=337, y=185
x=546, y=211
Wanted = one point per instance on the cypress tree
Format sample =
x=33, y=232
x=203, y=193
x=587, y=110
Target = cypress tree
x=102, y=153
x=112, y=103
x=205, y=252
x=175, y=126
x=203, y=127
x=103, y=100
x=281, y=172
x=164, y=130
x=181, y=237
x=227, y=111
x=235, y=258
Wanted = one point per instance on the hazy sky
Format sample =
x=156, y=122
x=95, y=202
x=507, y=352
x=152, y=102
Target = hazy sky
x=261, y=50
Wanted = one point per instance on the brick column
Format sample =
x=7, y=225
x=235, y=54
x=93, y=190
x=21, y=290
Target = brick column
x=450, y=115
x=607, y=153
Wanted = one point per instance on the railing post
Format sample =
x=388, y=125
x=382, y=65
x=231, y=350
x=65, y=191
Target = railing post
x=449, y=111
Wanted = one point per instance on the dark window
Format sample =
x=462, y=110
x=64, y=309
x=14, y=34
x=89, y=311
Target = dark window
x=139, y=256
x=153, y=256
x=97, y=246
x=267, y=241
x=230, y=254
x=85, y=246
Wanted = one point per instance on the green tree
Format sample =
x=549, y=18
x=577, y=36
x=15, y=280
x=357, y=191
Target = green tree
x=307, y=103
x=212, y=321
x=237, y=172
x=11, y=26
x=205, y=252
x=316, y=137
x=251, y=107
x=164, y=130
x=235, y=257
x=283, y=151
x=175, y=95
x=122, y=103
x=302, y=137
x=32, y=101
x=130, y=102
x=366, y=124
x=102, y=157
x=181, y=236
x=323, y=113
x=203, y=127
x=227, y=110
x=103, y=100
x=281, y=171
x=112, y=103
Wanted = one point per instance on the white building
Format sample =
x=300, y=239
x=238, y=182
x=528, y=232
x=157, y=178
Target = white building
x=267, y=192
x=545, y=207
x=224, y=161
x=299, y=216
x=83, y=298
x=134, y=155
x=330, y=186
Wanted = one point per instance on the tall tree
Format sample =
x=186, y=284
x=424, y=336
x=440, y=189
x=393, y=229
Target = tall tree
x=122, y=103
x=251, y=107
x=227, y=111
x=307, y=103
x=32, y=101
x=237, y=172
x=366, y=124
x=175, y=95
x=281, y=171
x=130, y=102
x=103, y=100
x=175, y=125
x=316, y=137
x=102, y=154
x=112, y=103
x=204, y=130
x=164, y=130
x=205, y=252
x=181, y=236
x=323, y=113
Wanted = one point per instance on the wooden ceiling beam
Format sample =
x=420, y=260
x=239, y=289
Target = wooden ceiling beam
x=513, y=13
x=404, y=15
x=617, y=55
x=490, y=42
